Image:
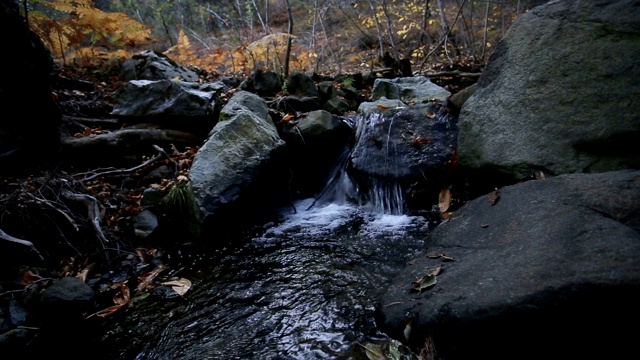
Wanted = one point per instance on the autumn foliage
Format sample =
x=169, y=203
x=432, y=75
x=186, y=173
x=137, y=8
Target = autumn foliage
x=329, y=36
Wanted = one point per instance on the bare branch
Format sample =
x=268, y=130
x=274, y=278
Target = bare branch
x=7, y=237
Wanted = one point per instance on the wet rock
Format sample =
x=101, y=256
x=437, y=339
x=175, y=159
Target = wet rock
x=415, y=89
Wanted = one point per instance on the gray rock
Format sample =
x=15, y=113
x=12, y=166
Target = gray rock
x=404, y=152
x=67, y=294
x=414, y=89
x=165, y=98
x=317, y=122
x=380, y=104
x=151, y=65
x=302, y=85
x=337, y=105
x=262, y=83
x=144, y=223
x=240, y=144
x=559, y=94
x=550, y=265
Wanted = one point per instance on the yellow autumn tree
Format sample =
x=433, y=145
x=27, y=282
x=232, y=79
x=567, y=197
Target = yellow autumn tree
x=77, y=29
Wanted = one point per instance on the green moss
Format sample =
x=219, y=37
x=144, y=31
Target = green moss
x=181, y=210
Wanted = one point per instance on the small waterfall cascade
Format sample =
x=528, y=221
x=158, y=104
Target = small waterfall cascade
x=382, y=194
x=306, y=286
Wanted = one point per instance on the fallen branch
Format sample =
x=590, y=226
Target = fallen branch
x=453, y=73
x=130, y=138
x=115, y=172
x=92, y=122
x=7, y=237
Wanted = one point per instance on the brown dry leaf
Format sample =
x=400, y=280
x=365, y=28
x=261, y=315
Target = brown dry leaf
x=180, y=286
x=120, y=299
x=426, y=281
x=29, y=277
x=444, y=200
x=493, y=197
x=442, y=257
x=148, y=278
x=123, y=296
x=382, y=107
x=431, y=115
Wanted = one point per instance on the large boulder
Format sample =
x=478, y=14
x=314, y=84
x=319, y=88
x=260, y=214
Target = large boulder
x=29, y=117
x=235, y=157
x=542, y=269
x=186, y=106
x=404, y=153
x=560, y=93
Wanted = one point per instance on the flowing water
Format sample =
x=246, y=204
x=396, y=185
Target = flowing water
x=303, y=287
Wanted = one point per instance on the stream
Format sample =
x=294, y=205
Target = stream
x=304, y=286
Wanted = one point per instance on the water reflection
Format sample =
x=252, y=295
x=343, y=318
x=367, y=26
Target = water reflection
x=305, y=288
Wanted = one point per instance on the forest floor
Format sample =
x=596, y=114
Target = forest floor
x=85, y=213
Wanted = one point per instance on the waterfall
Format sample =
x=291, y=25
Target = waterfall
x=380, y=193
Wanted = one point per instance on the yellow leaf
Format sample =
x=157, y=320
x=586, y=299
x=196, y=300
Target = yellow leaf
x=287, y=117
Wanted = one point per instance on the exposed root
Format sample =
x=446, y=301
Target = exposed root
x=7, y=237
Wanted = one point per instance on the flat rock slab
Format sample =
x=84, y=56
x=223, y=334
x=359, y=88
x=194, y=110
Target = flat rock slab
x=541, y=268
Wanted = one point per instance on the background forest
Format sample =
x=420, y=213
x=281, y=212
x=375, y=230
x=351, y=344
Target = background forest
x=235, y=37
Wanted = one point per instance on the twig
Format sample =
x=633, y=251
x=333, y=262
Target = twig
x=453, y=73
x=38, y=200
x=444, y=38
x=93, y=214
x=7, y=237
x=111, y=171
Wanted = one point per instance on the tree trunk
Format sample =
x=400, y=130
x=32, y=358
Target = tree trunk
x=288, y=53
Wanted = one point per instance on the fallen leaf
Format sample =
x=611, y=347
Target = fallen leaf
x=493, y=197
x=287, y=117
x=444, y=200
x=373, y=351
x=407, y=329
x=417, y=140
x=426, y=281
x=484, y=226
x=120, y=299
x=382, y=107
x=435, y=271
x=442, y=257
x=148, y=277
x=180, y=286
x=431, y=115
x=29, y=277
